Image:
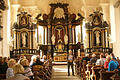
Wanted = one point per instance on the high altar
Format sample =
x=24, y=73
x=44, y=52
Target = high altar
x=60, y=27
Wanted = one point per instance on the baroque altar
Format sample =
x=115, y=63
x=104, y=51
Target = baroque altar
x=97, y=34
x=24, y=35
x=59, y=27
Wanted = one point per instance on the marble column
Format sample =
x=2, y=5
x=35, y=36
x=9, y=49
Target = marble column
x=81, y=33
x=70, y=34
x=49, y=34
x=102, y=38
x=90, y=39
x=45, y=36
x=73, y=31
x=106, y=35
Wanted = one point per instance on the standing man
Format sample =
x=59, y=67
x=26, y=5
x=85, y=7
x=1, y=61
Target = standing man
x=70, y=59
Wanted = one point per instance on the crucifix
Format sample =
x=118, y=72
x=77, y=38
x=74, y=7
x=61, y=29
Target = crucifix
x=59, y=32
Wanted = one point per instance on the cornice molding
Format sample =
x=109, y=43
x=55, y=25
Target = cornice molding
x=117, y=4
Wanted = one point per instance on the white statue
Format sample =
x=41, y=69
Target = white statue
x=97, y=34
x=53, y=39
x=66, y=39
x=24, y=39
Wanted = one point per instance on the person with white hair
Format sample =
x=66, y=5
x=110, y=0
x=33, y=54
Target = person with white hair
x=86, y=58
x=33, y=60
x=70, y=59
x=93, y=59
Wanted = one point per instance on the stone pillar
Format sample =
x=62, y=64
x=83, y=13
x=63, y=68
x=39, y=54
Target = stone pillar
x=5, y=50
x=115, y=25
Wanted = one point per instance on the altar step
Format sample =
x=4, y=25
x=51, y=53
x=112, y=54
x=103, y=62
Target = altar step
x=59, y=63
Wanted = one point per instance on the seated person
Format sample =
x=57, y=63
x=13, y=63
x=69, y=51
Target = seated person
x=18, y=71
x=28, y=71
x=93, y=59
x=21, y=58
x=101, y=61
x=9, y=72
x=38, y=62
x=44, y=58
x=33, y=60
x=4, y=66
x=87, y=58
x=113, y=64
x=108, y=58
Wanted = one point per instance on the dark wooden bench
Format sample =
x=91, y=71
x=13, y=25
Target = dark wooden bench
x=106, y=75
x=2, y=76
x=42, y=72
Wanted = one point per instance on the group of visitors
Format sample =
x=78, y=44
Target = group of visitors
x=108, y=61
x=21, y=69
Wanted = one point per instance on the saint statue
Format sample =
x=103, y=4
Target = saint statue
x=66, y=39
x=53, y=39
x=24, y=39
x=97, y=35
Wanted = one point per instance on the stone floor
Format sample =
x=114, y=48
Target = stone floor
x=60, y=73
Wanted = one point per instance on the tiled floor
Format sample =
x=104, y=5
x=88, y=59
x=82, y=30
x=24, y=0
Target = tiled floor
x=60, y=73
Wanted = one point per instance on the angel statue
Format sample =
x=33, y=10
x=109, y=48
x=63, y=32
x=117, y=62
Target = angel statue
x=53, y=39
x=66, y=39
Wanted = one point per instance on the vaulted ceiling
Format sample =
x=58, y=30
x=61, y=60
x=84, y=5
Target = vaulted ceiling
x=85, y=7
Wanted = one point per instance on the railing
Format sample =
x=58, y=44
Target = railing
x=24, y=51
x=104, y=50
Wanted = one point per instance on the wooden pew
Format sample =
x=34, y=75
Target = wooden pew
x=45, y=71
x=2, y=76
x=116, y=76
x=83, y=69
x=89, y=70
x=78, y=64
x=42, y=72
x=106, y=75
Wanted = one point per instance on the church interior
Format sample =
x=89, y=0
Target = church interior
x=53, y=32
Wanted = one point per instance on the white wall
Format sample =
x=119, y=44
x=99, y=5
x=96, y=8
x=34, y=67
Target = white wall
x=116, y=44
